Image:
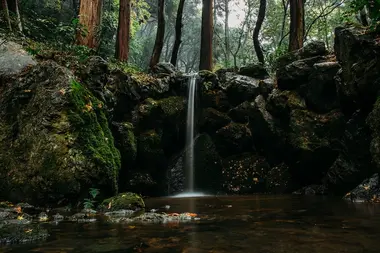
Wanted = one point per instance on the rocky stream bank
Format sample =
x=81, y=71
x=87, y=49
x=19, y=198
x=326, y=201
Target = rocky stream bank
x=313, y=128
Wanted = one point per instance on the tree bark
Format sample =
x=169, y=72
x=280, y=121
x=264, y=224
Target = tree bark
x=205, y=62
x=123, y=31
x=297, y=24
x=178, y=32
x=256, y=31
x=159, y=43
x=4, y=6
x=90, y=12
x=14, y=8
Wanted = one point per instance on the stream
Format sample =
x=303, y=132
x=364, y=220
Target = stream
x=257, y=224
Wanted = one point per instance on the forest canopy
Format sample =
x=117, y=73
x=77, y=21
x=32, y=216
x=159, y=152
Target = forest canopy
x=222, y=34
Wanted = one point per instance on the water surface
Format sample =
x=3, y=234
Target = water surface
x=262, y=224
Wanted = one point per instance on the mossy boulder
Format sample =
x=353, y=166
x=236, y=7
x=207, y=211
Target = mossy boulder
x=281, y=103
x=241, y=88
x=312, y=139
x=123, y=201
x=213, y=120
x=254, y=70
x=216, y=99
x=56, y=142
x=233, y=139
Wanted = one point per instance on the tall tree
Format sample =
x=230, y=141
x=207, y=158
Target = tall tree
x=90, y=12
x=227, y=31
x=14, y=8
x=297, y=24
x=256, y=31
x=206, y=36
x=159, y=43
x=123, y=30
x=178, y=32
x=4, y=6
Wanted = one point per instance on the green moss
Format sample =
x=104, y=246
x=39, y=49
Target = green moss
x=127, y=200
x=172, y=106
x=93, y=134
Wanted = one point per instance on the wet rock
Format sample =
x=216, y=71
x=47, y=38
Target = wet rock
x=373, y=121
x=320, y=91
x=216, y=99
x=312, y=190
x=312, y=49
x=367, y=191
x=213, y=120
x=241, y=88
x=56, y=142
x=310, y=138
x=58, y=217
x=281, y=103
x=266, y=87
x=163, y=69
x=354, y=161
x=125, y=142
x=232, y=139
x=83, y=217
x=295, y=74
x=254, y=70
x=245, y=173
x=357, y=51
x=207, y=167
x=151, y=217
x=123, y=201
x=207, y=80
x=278, y=179
x=13, y=59
x=16, y=234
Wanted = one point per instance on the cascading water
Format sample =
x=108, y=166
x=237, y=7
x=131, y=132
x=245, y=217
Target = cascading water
x=189, y=154
x=189, y=157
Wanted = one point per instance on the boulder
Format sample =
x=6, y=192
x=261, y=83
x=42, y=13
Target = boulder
x=295, y=74
x=207, y=168
x=367, y=191
x=373, y=121
x=233, y=139
x=320, y=90
x=310, y=137
x=312, y=190
x=281, y=103
x=312, y=49
x=244, y=174
x=213, y=120
x=163, y=69
x=254, y=70
x=13, y=59
x=357, y=51
x=216, y=99
x=266, y=87
x=354, y=162
x=55, y=138
x=123, y=201
x=241, y=88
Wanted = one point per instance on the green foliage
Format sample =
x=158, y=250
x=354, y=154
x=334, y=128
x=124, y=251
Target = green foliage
x=89, y=203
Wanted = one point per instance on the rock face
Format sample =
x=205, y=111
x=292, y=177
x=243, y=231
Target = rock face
x=56, y=142
x=313, y=129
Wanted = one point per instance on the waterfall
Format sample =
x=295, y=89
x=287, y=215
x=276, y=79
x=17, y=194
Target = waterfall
x=189, y=155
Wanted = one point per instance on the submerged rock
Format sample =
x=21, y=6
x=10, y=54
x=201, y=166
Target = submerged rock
x=367, y=191
x=15, y=234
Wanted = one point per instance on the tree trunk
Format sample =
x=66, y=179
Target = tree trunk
x=13, y=7
x=4, y=6
x=123, y=31
x=227, y=32
x=90, y=12
x=297, y=24
x=256, y=31
x=159, y=44
x=285, y=6
x=205, y=62
x=178, y=32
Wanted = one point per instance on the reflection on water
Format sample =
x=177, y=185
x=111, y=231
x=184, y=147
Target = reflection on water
x=257, y=224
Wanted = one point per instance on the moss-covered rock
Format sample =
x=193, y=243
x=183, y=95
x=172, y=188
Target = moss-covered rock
x=281, y=103
x=123, y=201
x=241, y=88
x=233, y=139
x=213, y=120
x=56, y=142
x=216, y=99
